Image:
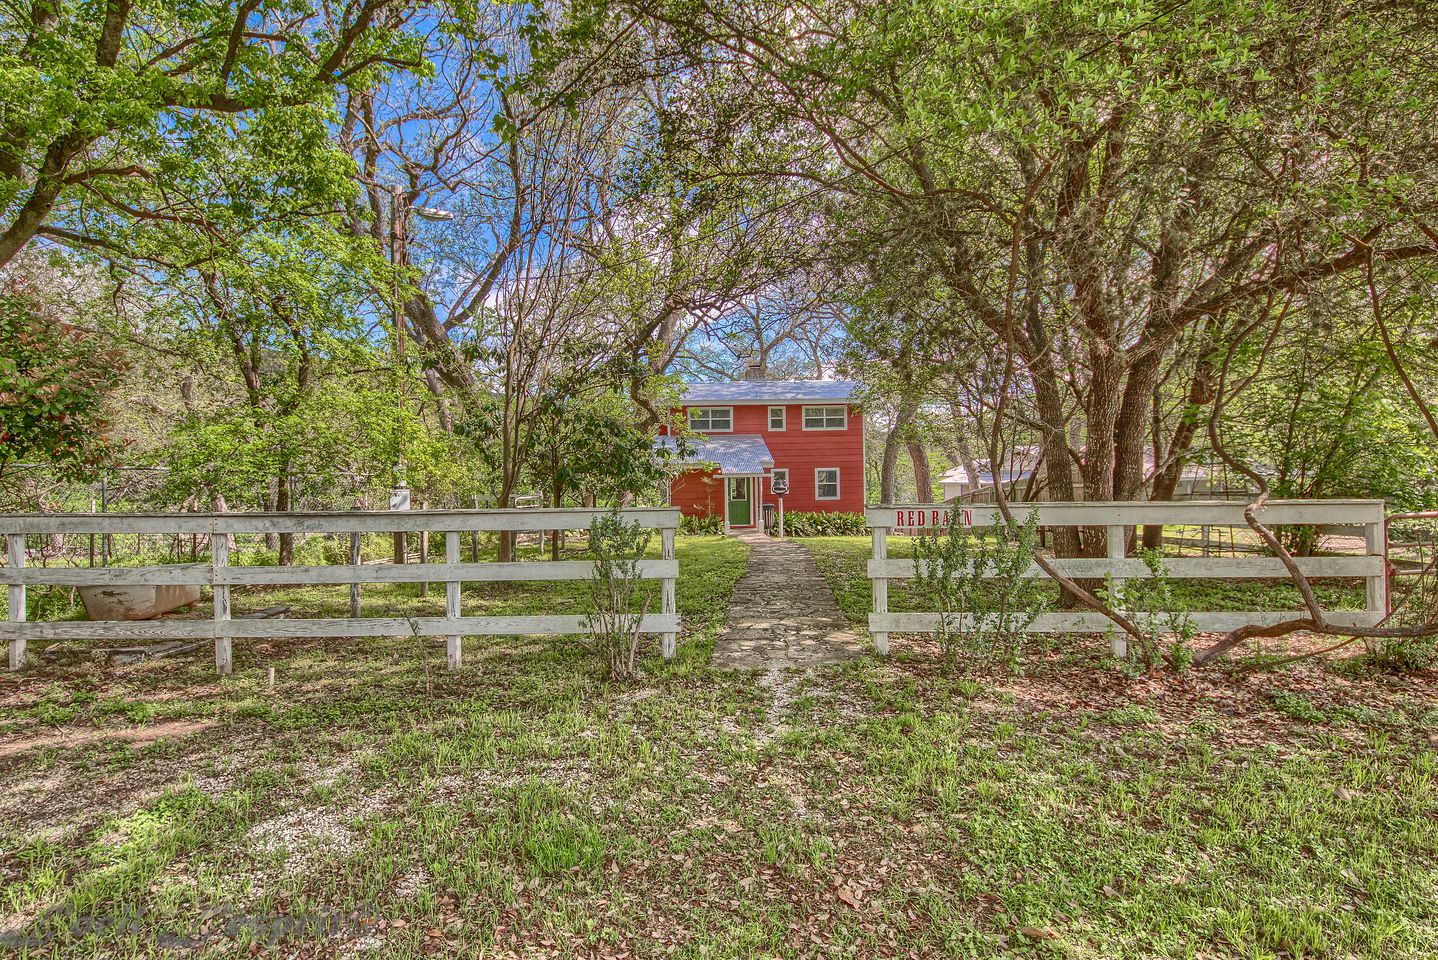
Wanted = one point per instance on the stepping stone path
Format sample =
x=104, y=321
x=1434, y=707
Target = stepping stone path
x=783, y=614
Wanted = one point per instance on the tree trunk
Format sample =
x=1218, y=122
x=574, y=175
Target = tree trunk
x=556, y=537
x=923, y=478
x=888, y=474
x=219, y=506
x=1170, y=470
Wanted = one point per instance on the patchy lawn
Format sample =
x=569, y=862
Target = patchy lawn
x=373, y=804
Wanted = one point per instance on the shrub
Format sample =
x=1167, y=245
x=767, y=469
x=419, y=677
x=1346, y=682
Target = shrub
x=801, y=523
x=617, y=547
x=695, y=526
x=1156, y=608
x=983, y=616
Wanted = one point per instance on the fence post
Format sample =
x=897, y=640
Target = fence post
x=667, y=605
x=355, y=585
x=1376, y=544
x=15, y=544
x=1117, y=537
x=424, y=551
x=880, y=536
x=219, y=562
x=452, y=648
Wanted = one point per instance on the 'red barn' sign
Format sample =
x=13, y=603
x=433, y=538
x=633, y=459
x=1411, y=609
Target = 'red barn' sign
x=915, y=520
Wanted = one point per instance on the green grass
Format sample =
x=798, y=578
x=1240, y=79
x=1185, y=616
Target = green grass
x=375, y=804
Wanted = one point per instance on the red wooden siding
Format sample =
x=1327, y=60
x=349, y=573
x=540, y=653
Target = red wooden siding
x=799, y=451
x=698, y=493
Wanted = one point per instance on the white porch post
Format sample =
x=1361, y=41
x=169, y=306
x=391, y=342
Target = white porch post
x=724, y=502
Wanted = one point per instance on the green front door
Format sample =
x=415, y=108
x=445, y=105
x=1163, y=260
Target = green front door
x=740, y=514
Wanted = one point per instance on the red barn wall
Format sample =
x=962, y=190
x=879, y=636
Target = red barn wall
x=796, y=449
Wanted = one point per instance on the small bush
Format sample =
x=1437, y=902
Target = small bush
x=1155, y=606
x=617, y=547
x=978, y=588
x=698, y=526
x=1391, y=655
x=801, y=523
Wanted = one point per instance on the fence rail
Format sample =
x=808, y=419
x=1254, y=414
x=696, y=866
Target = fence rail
x=222, y=576
x=1118, y=518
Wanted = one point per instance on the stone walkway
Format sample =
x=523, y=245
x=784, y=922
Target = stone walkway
x=783, y=614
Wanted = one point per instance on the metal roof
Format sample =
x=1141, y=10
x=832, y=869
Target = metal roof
x=771, y=391
x=735, y=454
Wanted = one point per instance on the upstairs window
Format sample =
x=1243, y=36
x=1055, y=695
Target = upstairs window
x=826, y=418
x=711, y=419
x=777, y=418
x=826, y=483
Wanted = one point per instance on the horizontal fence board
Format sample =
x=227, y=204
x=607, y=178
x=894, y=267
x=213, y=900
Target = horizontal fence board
x=433, y=572
x=162, y=575
x=202, y=573
x=1178, y=568
x=378, y=521
x=1133, y=513
x=554, y=624
x=1088, y=621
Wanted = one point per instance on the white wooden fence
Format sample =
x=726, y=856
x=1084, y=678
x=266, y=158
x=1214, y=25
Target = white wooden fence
x=1118, y=518
x=222, y=576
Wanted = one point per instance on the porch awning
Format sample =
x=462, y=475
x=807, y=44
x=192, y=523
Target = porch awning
x=736, y=455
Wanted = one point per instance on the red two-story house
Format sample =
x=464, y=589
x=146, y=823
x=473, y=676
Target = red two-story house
x=809, y=433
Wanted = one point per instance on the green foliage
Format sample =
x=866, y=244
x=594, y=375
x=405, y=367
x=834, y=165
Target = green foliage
x=1324, y=416
x=54, y=378
x=982, y=617
x=295, y=390
x=802, y=523
x=1159, y=611
x=697, y=525
x=129, y=124
x=1298, y=707
x=617, y=547
x=589, y=442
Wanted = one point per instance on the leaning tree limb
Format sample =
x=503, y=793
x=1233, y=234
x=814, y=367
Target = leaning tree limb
x=1316, y=621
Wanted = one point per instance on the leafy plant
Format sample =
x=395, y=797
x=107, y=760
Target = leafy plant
x=696, y=525
x=617, y=547
x=1298, y=707
x=1158, y=611
x=802, y=523
x=978, y=588
x=54, y=379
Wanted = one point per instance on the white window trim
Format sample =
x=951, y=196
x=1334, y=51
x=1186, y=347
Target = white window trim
x=783, y=419
x=804, y=418
x=689, y=419
x=838, y=488
x=773, y=474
